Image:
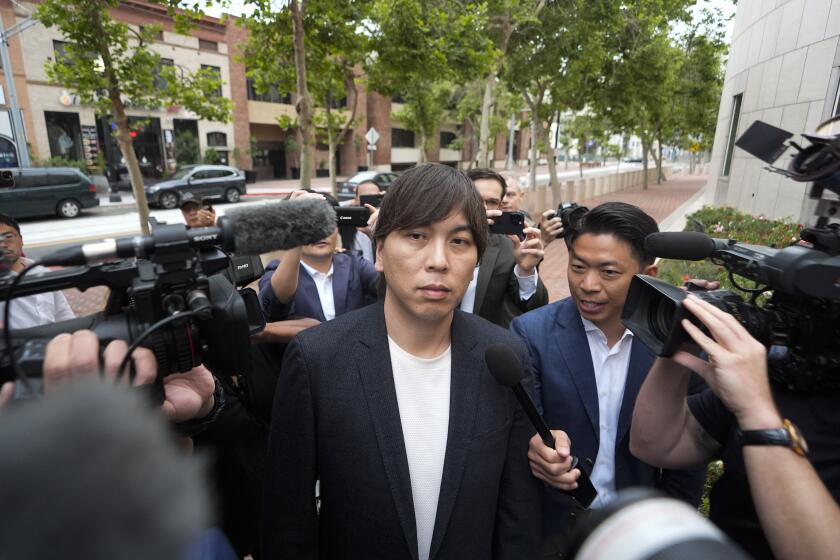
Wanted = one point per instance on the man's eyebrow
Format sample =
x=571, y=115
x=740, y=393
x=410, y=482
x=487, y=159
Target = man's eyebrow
x=604, y=263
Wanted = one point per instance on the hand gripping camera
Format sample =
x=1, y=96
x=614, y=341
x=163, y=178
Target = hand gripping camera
x=800, y=323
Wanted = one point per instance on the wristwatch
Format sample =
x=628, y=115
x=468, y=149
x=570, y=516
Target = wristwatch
x=787, y=436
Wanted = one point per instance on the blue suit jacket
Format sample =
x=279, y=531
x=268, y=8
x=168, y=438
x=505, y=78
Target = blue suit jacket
x=565, y=386
x=354, y=286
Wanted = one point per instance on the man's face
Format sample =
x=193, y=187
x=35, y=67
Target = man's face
x=196, y=217
x=322, y=249
x=513, y=198
x=490, y=191
x=11, y=243
x=428, y=268
x=600, y=270
x=364, y=189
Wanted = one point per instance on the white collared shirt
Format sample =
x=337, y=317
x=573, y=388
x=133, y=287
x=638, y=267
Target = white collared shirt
x=324, y=284
x=527, y=288
x=610, y=367
x=38, y=309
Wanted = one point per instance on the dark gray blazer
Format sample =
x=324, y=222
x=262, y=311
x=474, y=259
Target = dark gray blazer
x=497, y=290
x=336, y=418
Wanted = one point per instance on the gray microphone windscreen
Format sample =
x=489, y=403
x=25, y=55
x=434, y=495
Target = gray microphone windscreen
x=503, y=364
x=282, y=225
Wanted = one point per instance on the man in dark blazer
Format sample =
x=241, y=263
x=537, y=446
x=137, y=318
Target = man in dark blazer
x=589, y=369
x=507, y=281
x=436, y=471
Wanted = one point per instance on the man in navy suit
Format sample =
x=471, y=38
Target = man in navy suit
x=420, y=453
x=589, y=368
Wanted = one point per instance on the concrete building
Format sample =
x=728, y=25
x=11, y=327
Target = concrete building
x=57, y=125
x=783, y=69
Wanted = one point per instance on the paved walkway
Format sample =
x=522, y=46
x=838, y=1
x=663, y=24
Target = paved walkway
x=667, y=203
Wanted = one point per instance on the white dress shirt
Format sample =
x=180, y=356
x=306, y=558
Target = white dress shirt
x=422, y=386
x=324, y=284
x=38, y=309
x=527, y=288
x=610, y=366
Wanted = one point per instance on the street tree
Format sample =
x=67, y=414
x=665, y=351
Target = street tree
x=420, y=50
x=110, y=66
x=314, y=48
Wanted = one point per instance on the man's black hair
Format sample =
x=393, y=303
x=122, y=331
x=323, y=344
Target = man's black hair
x=9, y=221
x=625, y=221
x=485, y=173
x=427, y=194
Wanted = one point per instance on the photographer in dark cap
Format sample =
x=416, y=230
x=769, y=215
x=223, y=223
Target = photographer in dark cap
x=780, y=488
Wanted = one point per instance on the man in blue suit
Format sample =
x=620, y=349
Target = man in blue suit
x=589, y=368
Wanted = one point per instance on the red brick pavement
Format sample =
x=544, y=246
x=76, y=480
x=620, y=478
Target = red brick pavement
x=659, y=201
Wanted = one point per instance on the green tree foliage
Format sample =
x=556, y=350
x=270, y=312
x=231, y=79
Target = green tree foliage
x=421, y=50
x=110, y=66
x=334, y=43
x=186, y=148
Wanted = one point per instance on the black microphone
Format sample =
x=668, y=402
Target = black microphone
x=506, y=369
x=251, y=230
x=683, y=245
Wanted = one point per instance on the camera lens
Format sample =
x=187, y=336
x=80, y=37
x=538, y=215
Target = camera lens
x=661, y=318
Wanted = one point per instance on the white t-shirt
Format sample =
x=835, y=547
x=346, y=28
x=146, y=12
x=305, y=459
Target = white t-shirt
x=423, y=397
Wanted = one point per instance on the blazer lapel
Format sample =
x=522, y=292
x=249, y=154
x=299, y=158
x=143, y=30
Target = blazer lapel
x=485, y=273
x=340, y=281
x=467, y=369
x=574, y=347
x=641, y=360
x=374, y=365
x=310, y=294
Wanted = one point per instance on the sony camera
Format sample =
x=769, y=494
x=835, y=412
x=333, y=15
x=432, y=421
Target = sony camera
x=569, y=213
x=800, y=322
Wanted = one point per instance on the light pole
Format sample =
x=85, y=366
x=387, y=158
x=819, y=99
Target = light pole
x=18, y=130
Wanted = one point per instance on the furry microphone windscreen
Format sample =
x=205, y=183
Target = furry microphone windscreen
x=281, y=225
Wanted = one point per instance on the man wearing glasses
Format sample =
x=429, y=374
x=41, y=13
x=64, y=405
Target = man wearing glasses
x=34, y=310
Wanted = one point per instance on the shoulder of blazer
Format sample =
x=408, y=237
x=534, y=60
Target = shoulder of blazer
x=345, y=329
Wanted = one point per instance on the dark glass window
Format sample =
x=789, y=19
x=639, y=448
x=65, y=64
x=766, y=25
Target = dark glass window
x=402, y=138
x=160, y=82
x=64, y=134
x=218, y=71
x=57, y=178
x=217, y=139
x=733, y=132
x=60, y=50
x=446, y=138
x=218, y=173
x=158, y=36
x=206, y=45
x=273, y=94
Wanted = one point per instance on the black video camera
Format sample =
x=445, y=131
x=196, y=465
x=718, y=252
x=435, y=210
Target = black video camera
x=570, y=213
x=179, y=295
x=800, y=322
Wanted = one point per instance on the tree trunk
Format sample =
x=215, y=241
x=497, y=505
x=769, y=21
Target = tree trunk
x=422, y=158
x=532, y=167
x=549, y=156
x=659, y=176
x=127, y=148
x=581, y=144
x=645, y=148
x=304, y=105
x=332, y=146
x=486, y=109
x=566, y=160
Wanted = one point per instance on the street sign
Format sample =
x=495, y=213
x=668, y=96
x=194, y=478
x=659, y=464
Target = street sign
x=372, y=136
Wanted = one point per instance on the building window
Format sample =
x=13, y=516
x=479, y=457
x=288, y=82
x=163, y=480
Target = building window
x=64, y=134
x=218, y=72
x=60, y=50
x=157, y=35
x=402, y=138
x=446, y=138
x=733, y=131
x=836, y=110
x=397, y=99
x=217, y=139
x=160, y=81
x=206, y=45
x=273, y=95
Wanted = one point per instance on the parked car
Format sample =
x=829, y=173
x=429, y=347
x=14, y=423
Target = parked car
x=45, y=191
x=347, y=189
x=202, y=181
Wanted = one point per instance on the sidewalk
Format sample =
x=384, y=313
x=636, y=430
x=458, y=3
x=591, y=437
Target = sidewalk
x=667, y=203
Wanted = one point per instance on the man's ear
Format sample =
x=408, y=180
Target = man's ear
x=378, y=261
x=650, y=270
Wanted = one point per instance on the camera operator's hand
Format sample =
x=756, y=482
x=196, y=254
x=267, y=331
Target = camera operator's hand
x=700, y=283
x=528, y=253
x=300, y=193
x=76, y=356
x=492, y=214
x=737, y=367
x=205, y=217
x=188, y=395
x=553, y=465
x=551, y=227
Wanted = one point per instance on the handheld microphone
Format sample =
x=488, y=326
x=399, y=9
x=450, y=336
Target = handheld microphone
x=683, y=245
x=506, y=369
x=248, y=231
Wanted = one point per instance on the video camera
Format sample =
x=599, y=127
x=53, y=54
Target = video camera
x=181, y=297
x=800, y=322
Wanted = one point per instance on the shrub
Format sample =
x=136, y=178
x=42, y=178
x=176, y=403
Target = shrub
x=59, y=161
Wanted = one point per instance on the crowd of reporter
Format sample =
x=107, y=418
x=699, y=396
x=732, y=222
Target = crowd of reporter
x=349, y=301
